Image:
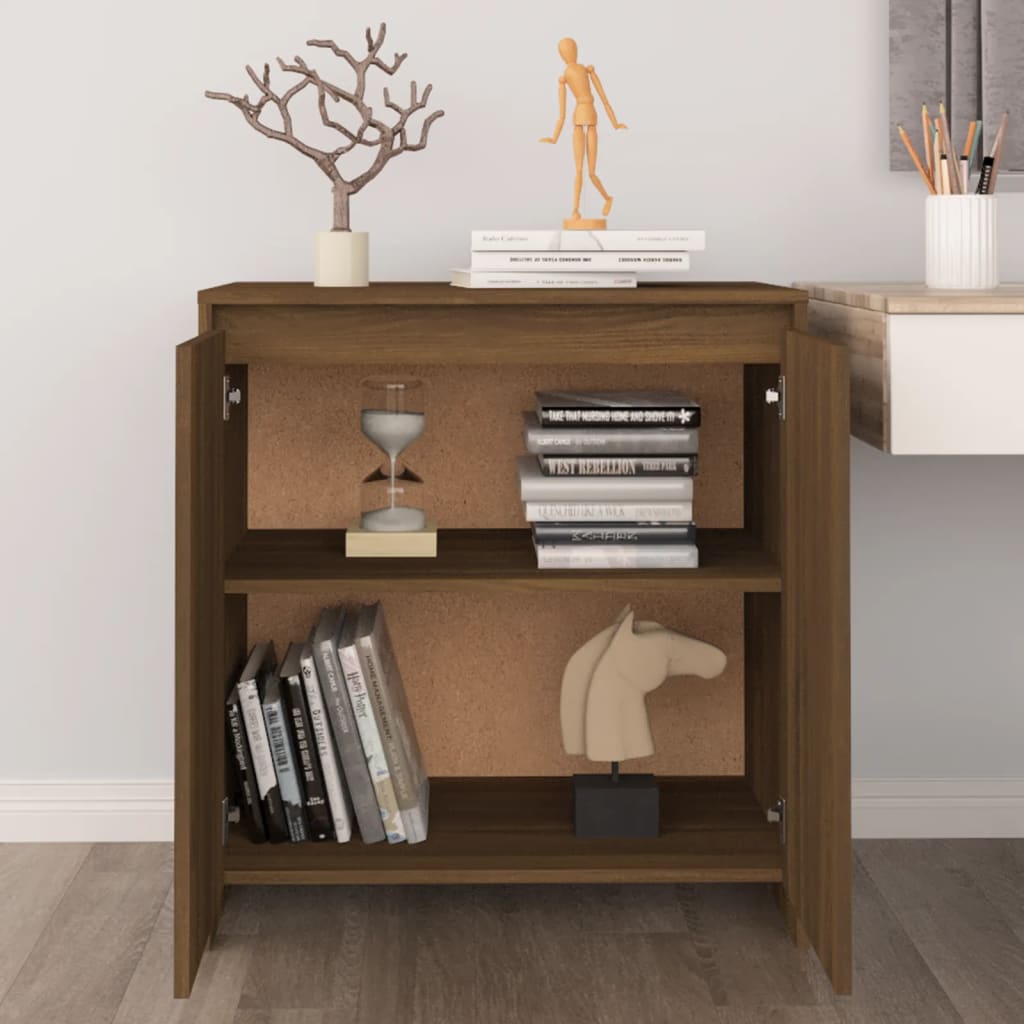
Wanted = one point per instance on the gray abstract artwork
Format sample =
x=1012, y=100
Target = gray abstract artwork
x=968, y=53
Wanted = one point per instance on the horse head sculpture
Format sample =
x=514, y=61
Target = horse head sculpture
x=606, y=680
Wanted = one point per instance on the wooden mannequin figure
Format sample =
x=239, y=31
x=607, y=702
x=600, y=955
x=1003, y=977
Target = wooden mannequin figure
x=584, y=131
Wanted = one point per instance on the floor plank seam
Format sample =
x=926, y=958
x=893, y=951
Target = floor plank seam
x=46, y=924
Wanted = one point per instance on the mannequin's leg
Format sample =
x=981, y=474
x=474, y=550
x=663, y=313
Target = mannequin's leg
x=592, y=167
x=577, y=152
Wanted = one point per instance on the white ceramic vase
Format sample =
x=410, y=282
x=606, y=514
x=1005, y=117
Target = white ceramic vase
x=342, y=259
x=961, y=242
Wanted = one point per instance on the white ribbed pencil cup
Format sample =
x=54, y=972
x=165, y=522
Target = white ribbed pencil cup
x=961, y=242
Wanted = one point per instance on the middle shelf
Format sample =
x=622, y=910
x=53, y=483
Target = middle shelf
x=313, y=561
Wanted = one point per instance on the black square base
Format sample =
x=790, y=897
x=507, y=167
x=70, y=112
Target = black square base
x=622, y=808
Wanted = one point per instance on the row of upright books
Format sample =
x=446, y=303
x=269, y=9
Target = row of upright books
x=324, y=743
x=608, y=483
x=574, y=259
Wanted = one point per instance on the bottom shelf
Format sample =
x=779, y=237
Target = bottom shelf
x=491, y=830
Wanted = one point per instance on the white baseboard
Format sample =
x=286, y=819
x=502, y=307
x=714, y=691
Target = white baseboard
x=111, y=812
x=938, y=808
x=86, y=812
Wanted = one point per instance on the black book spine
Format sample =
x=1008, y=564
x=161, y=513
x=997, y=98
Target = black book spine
x=558, y=416
x=318, y=812
x=619, y=465
x=614, y=533
x=238, y=747
x=263, y=762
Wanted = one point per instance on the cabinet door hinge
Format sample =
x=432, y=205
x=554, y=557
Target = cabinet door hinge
x=777, y=396
x=232, y=396
x=777, y=815
x=230, y=815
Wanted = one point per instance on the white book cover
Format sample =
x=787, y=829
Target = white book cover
x=609, y=512
x=256, y=732
x=616, y=556
x=369, y=733
x=651, y=262
x=540, y=279
x=535, y=485
x=653, y=239
x=337, y=798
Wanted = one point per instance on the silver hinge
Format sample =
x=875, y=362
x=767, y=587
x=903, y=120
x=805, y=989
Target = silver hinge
x=229, y=816
x=776, y=814
x=232, y=396
x=777, y=396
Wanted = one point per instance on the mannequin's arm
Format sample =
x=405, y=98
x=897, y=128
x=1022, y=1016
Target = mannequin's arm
x=561, y=112
x=604, y=99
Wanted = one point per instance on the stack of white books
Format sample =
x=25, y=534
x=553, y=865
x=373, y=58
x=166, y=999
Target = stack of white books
x=608, y=483
x=574, y=259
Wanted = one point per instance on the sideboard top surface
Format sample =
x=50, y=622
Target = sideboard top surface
x=439, y=293
x=917, y=298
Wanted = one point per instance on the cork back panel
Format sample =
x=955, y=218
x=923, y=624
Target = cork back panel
x=307, y=454
x=483, y=671
x=483, y=674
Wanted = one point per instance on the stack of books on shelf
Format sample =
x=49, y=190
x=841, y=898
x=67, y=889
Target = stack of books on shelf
x=324, y=742
x=574, y=259
x=608, y=483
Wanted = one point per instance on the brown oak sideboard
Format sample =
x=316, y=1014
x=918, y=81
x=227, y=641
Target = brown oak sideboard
x=774, y=562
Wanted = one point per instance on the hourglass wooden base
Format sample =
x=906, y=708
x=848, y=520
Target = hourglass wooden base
x=360, y=543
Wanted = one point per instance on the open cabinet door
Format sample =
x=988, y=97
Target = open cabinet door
x=817, y=608
x=199, y=652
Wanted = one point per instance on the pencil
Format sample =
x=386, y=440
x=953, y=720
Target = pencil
x=944, y=165
x=947, y=148
x=997, y=149
x=937, y=147
x=913, y=156
x=926, y=128
x=965, y=156
x=977, y=140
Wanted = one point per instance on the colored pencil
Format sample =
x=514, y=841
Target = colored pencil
x=929, y=149
x=965, y=156
x=947, y=148
x=913, y=156
x=997, y=149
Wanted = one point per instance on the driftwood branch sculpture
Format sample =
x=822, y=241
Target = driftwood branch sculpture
x=389, y=137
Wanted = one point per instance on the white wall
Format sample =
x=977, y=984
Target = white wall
x=124, y=191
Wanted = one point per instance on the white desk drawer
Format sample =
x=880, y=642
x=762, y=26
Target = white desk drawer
x=955, y=384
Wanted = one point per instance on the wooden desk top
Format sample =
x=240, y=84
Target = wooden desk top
x=440, y=293
x=916, y=298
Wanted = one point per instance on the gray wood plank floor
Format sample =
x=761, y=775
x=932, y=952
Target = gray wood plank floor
x=85, y=938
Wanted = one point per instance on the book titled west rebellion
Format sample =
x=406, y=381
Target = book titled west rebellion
x=616, y=556
x=275, y=714
x=367, y=724
x=346, y=737
x=616, y=408
x=397, y=730
x=334, y=781
x=614, y=533
x=618, y=465
x=318, y=813
x=607, y=440
x=241, y=758
x=258, y=668
x=535, y=485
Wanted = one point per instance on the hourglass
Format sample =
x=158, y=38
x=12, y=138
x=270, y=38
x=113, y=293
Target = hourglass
x=393, y=522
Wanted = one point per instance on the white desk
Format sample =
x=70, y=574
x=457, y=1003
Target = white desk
x=931, y=372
